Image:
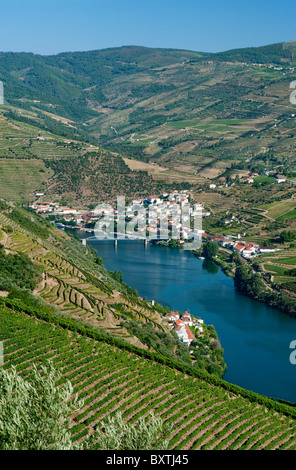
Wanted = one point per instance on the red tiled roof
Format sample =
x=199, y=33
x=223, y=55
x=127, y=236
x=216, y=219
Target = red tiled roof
x=178, y=328
x=239, y=246
x=189, y=332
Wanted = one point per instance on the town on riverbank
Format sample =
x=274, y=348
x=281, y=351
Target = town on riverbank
x=272, y=258
x=164, y=203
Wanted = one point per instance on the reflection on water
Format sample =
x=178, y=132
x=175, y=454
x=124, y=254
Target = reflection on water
x=210, y=266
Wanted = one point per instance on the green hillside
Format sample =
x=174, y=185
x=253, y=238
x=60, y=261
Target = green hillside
x=24, y=151
x=84, y=127
x=61, y=304
x=75, y=284
x=33, y=158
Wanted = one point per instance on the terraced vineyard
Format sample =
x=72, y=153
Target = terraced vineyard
x=74, y=291
x=23, y=153
x=110, y=377
x=23, y=141
x=20, y=178
x=109, y=368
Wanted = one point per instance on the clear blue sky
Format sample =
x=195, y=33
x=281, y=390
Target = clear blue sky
x=52, y=26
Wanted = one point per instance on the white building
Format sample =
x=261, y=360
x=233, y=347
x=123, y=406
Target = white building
x=266, y=249
x=183, y=331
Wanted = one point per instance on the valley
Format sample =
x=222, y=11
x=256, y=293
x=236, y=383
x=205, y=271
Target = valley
x=81, y=128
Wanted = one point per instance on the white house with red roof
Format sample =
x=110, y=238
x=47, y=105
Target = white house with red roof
x=183, y=331
x=246, y=249
x=240, y=246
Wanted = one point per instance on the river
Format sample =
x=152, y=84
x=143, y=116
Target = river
x=255, y=338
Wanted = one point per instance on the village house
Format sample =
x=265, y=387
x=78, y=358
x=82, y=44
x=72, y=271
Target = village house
x=183, y=331
x=249, y=252
x=239, y=247
x=281, y=179
x=180, y=323
x=246, y=249
x=172, y=317
x=66, y=210
x=153, y=200
x=225, y=242
x=228, y=220
x=205, y=214
x=137, y=202
x=186, y=318
x=42, y=208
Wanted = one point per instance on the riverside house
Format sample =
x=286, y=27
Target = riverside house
x=180, y=323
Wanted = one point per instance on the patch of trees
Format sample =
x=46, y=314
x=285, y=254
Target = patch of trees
x=127, y=149
x=251, y=284
x=288, y=236
x=210, y=249
x=35, y=414
x=266, y=54
x=32, y=223
x=168, y=143
x=17, y=270
x=248, y=282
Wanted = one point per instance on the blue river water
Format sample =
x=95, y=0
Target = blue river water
x=256, y=339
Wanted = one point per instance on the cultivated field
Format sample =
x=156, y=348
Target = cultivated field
x=19, y=178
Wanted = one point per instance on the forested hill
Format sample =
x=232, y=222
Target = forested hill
x=77, y=83
x=146, y=103
x=75, y=80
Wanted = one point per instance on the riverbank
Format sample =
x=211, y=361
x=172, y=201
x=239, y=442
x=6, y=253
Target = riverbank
x=197, y=344
x=255, y=337
x=251, y=284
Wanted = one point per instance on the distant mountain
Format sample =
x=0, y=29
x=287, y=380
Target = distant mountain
x=75, y=84
x=161, y=105
x=74, y=81
x=274, y=53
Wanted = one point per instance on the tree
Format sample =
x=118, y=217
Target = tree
x=117, y=275
x=145, y=434
x=34, y=412
x=210, y=249
x=248, y=282
x=35, y=415
x=288, y=235
x=234, y=258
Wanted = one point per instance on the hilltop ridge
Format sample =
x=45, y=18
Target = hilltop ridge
x=184, y=110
